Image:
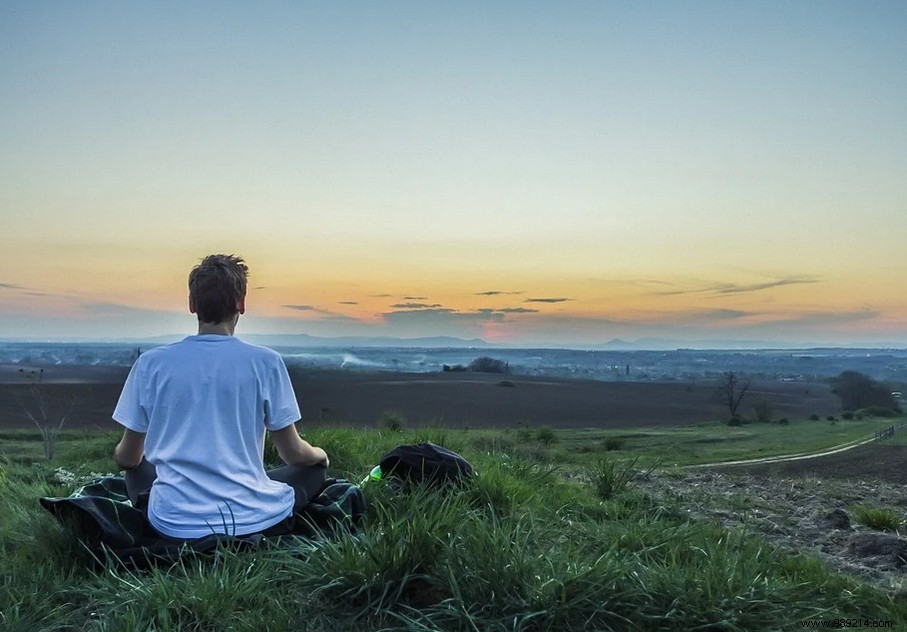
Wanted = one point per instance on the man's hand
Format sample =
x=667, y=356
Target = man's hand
x=324, y=458
x=293, y=450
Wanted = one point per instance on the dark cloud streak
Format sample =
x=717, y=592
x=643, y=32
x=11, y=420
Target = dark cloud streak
x=724, y=289
x=325, y=314
x=547, y=300
x=416, y=306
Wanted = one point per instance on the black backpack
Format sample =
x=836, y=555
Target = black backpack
x=425, y=462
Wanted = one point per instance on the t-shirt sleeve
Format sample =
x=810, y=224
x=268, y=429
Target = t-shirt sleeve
x=129, y=411
x=281, y=408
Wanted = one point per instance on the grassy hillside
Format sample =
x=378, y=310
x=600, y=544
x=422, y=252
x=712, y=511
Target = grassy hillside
x=552, y=534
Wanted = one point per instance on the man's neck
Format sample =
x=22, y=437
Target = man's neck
x=223, y=328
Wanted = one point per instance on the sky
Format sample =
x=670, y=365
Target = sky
x=526, y=172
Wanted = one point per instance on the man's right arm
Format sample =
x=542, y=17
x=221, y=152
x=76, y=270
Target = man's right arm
x=294, y=450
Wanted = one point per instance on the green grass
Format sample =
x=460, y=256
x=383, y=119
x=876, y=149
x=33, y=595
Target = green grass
x=716, y=441
x=878, y=518
x=900, y=434
x=526, y=545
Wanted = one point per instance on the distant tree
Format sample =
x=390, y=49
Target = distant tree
x=857, y=391
x=730, y=391
x=489, y=365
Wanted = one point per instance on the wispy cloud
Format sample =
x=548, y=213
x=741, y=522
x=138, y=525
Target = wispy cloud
x=415, y=298
x=380, y=295
x=432, y=310
x=348, y=302
x=720, y=314
x=498, y=293
x=511, y=310
x=724, y=289
x=24, y=291
x=734, y=288
x=315, y=310
x=547, y=300
x=416, y=306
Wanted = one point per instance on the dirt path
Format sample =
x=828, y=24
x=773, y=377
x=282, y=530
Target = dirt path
x=800, y=456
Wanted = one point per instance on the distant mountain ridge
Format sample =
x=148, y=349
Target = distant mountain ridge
x=441, y=342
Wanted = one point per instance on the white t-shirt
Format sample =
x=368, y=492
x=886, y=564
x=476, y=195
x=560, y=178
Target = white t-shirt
x=204, y=404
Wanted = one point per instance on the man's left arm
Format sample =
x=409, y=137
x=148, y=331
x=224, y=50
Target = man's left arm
x=130, y=450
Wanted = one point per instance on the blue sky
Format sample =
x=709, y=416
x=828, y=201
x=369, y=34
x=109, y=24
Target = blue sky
x=685, y=170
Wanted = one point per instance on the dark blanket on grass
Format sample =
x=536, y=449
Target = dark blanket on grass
x=103, y=518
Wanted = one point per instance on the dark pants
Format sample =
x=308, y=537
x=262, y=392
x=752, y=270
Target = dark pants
x=306, y=481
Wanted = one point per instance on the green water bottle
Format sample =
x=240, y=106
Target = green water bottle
x=374, y=475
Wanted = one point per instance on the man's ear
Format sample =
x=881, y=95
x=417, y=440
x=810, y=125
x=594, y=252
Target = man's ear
x=241, y=305
x=191, y=305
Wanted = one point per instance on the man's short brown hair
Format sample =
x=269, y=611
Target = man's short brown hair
x=216, y=285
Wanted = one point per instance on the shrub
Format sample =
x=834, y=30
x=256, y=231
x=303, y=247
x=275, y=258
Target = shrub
x=392, y=420
x=613, y=443
x=763, y=411
x=847, y=414
x=783, y=421
x=831, y=418
x=546, y=435
x=610, y=477
x=814, y=417
x=877, y=518
x=735, y=421
x=489, y=365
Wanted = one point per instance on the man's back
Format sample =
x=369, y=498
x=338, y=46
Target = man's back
x=204, y=404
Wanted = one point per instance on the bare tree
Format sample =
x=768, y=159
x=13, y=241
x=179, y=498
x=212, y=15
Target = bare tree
x=730, y=391
x=46, y=412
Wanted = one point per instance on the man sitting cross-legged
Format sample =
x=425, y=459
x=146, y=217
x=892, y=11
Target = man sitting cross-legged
x=195, y=415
